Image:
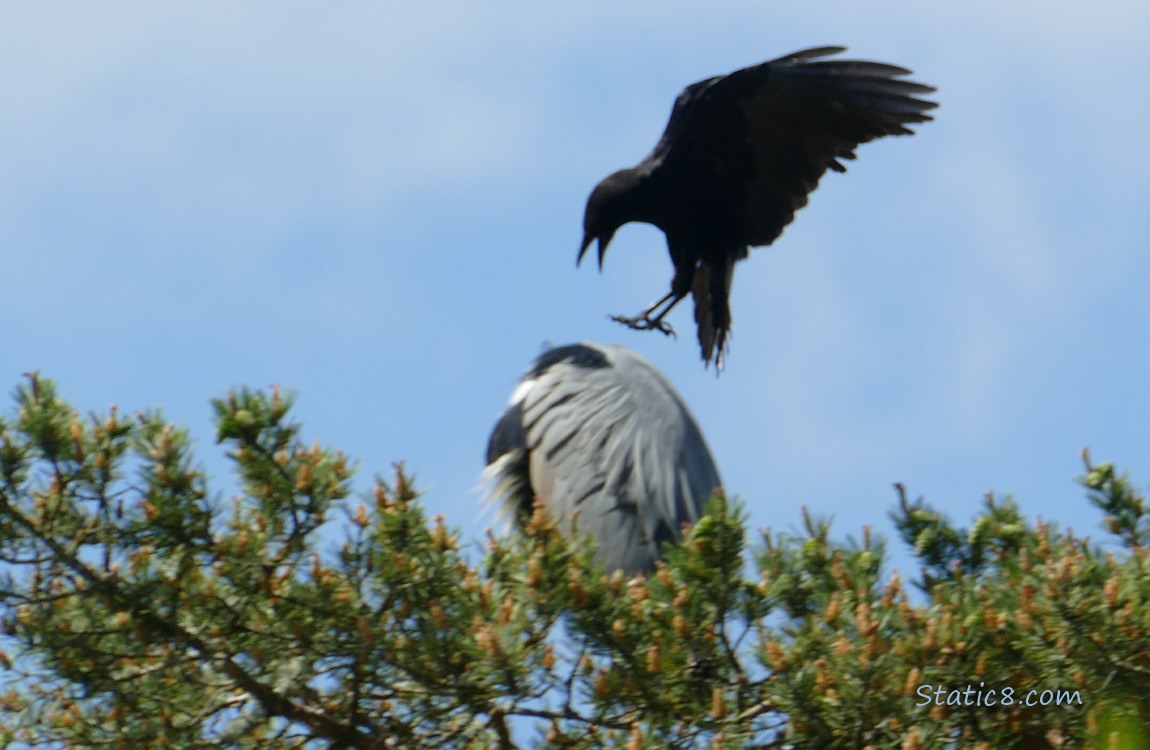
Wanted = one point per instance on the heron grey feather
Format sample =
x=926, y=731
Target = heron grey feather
x=602, y=438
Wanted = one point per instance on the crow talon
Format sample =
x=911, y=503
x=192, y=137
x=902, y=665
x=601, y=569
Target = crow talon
x=643, y=323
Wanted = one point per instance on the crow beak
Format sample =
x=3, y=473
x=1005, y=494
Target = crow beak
x=587, y=237
x=603, y=242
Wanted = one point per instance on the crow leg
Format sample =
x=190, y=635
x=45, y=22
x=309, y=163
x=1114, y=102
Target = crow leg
x=652, y=317
x=649, y=320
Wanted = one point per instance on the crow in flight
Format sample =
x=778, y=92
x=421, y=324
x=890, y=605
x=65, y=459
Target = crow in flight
x=740, y=154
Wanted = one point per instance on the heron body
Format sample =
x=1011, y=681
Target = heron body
x=604, y=441
x=740, y=154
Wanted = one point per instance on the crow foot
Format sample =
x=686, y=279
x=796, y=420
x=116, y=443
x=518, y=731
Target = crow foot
x=645, y=323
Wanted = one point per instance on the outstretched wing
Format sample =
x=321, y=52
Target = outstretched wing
x=760, y=138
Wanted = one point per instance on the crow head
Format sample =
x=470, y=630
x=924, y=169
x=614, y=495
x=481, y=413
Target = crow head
x=608, y=208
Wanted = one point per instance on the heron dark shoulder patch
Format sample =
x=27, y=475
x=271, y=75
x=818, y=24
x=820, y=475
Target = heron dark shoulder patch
x=508, y=434
x=579, y=355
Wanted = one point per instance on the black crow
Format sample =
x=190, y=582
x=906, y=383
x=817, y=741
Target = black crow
x=740, y=154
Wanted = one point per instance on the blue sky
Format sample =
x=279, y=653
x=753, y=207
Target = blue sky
x=379, y=207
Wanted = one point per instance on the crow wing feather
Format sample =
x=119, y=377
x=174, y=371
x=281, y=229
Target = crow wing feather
x=760, y=138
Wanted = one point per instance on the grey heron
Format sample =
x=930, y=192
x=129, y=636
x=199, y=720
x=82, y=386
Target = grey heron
x=740, y=154
x=607, y=445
